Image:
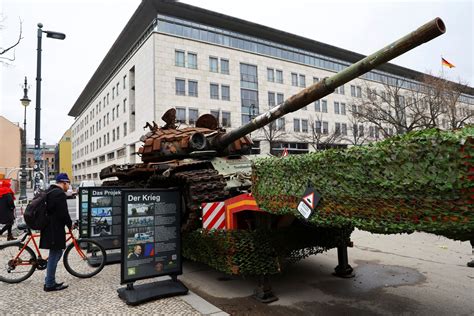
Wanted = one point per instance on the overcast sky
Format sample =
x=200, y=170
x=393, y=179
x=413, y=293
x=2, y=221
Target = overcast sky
x=91, y=27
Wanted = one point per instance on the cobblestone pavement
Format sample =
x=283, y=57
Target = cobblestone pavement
x=94, y=296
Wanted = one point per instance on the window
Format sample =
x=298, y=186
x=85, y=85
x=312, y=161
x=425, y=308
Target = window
x=359, y=92
x=271, y=74
x=225, y=90
x=343, y=108
x=371, y=131
x=296, y=125
x=225, y=119
x=353, y=91
x=179, y=58
x=344, y=129
x=124, y=82
x=117, y=89
x=317, y=106
x=110, y=155
x=113, y=135
x=315, y=80
x=192, y=88
x=271, y=99
x=338, y=129
x=317, y=127
x=324, y=104
x=213, y=64
x=325, y=128
x=302, y=81
x=280, y=98
x=294, y=79
x=124, y=129
x=113, y=93
x=113, y=114
x=215, y=113
x=279, y=76
x=225, y=66
x=181, y=115
x=280, y=124
x=249, y=104
x=108, y=119
x=248, y=76
x=193, y=116
x=124, y=105
x=192, y=60
x=336, y=107
x=180, y=87
x=304, y=126
x=339, y=90
x=214, y=89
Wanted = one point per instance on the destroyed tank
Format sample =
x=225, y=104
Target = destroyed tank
x=210, y=164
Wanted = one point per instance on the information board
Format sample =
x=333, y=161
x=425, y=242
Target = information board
x=105, y=208
x=151, y=240
x=83, y=210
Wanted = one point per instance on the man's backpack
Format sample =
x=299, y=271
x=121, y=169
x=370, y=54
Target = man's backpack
x=35, y=215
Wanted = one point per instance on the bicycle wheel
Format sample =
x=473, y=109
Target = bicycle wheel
x=86, y=260
x=16, y=270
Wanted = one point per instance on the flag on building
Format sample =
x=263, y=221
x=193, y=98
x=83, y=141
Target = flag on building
x=285, y=152
x=446, y=63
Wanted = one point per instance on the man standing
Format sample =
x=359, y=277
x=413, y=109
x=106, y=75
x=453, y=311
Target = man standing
x=53, y=236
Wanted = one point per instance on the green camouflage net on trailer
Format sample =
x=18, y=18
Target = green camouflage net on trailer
x=260, y=252
x=420, y=181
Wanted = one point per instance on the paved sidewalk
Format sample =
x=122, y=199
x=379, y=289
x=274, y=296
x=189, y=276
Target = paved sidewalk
x=97, y=295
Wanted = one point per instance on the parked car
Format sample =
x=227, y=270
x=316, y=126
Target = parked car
x=87, y=183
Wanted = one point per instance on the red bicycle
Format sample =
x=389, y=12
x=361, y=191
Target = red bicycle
x=83, y=258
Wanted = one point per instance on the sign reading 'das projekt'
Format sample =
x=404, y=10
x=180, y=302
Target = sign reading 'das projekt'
x=100, y=217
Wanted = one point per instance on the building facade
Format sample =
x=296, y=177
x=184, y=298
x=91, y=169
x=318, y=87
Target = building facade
x=63, y=154
x=173, y=55
x=48, y=161
x=10, y=148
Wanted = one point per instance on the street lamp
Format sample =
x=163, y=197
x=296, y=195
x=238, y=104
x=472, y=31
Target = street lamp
x=25, y=101
x=55, y=35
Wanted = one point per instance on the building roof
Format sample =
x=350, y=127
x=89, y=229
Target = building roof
x=148, y=10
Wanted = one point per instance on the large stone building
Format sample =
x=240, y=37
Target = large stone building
x=172, y=54
x=10, y=148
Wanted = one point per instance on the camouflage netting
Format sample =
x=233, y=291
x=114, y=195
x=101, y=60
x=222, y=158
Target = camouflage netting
x=260, y=252
x=420, y=181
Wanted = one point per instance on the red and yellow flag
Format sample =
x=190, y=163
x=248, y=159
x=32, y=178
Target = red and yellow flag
x=446, y=63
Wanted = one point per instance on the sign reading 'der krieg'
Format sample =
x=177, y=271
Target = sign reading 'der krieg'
x=151, y=240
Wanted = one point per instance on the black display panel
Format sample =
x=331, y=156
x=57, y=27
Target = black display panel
x=151, y=242
x=100, y=215
x=83, y=210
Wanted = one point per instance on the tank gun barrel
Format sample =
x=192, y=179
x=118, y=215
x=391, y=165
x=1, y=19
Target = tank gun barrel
x=327, y=86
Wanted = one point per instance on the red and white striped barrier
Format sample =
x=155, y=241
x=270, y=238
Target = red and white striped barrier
x=213, y=215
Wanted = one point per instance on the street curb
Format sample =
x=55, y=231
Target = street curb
x=201, y=305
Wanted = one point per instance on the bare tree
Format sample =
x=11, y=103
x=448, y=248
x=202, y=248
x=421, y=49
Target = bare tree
x=319, y=135
x=358, y=133
x=4, y=57
x=444, y=103
x=402, y=106
x=274, y=133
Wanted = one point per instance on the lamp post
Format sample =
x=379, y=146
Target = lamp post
x=25, y=101
x=55, y=35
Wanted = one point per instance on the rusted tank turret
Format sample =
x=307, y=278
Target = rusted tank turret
x=212, y=165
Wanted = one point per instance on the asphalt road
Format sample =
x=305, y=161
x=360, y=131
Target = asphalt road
x=417, y=274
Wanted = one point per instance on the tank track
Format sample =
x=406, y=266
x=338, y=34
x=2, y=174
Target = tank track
x=204, y=185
